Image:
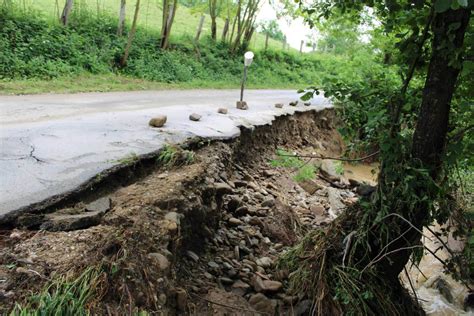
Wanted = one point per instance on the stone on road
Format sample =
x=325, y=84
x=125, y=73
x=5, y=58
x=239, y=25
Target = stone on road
x=52, y=144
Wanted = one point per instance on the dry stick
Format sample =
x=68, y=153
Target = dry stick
x=228, y=306
x=411, y=285
x=331, y=158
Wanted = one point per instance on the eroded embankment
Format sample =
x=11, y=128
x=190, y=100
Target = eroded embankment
x=199, y=234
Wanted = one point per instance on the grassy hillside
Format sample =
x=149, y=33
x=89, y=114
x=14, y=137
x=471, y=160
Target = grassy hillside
x=37, y=54
x=150, y=16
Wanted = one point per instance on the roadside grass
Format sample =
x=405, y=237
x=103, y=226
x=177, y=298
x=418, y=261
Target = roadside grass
x=88, y=82
x=303, y=171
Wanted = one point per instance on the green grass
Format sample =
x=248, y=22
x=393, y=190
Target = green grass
x=62, y=296
x=304, y=171
x=150, y=16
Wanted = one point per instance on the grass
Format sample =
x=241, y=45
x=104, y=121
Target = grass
x=150, y=16
x=88, y=82
x=304, y=171
x=63, y=296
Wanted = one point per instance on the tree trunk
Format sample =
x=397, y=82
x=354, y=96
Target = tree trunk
x=66, y=12
x=431, y=129
x=168, y=22
x=131, y=35
x=199, y=29
x=121, y=22
x=213, y=15
x=225, y=30
x=432, y=125
x=266, y=41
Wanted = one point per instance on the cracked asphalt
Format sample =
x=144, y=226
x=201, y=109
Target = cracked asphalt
x=50, y=144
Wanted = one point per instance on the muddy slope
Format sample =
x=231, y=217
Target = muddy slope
x=200, y=236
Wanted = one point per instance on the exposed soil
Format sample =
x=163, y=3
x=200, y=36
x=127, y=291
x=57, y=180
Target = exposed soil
x=200, y=238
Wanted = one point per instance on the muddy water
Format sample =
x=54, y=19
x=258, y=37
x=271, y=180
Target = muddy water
x=362, y=172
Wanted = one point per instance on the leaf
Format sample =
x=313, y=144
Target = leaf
x=306, y=96
x=442, y=5
x=463, y=3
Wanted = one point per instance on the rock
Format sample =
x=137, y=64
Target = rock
x=303, y=308
x=162, y=298
x=239, y=284
x=223, y=188
x=242, y=105
x=257, y=284
x=294, y=103
x=101, y=205
x=240, y=183
x=235, y=221
x=174, y=217
x=335, y=201
x=268, y=202
x=158, y=121
x=444, y=288
x=222, y=110
x=365, y=189
x=226, y=281
x=328, y=168
x=317, y=209
x=68, y=222
x=233, y=204
x=195, y=117
x=263, y=304
x=265, y=262
x=213, y=265
x=237, y=252
x=181, y=299
x=242, y=211
x=270, y=172
x=161, y=261
x=272, y=286
x=278, y=105
x=192, y=255
x=307, y=103
x=469, y=302
x=310, y=186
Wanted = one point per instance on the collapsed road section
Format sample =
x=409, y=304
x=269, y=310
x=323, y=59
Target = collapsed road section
x=197, y=232
x=55, y=145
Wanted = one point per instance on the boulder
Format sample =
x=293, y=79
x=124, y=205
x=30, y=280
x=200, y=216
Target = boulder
x=160, y=260
x=242, y=105
x=310, y=186
x=195, y=117
x=335, y=201
x=278, y=105
x=294, y=103
x=263, y=304
x=222, y=110
x=100, y=205
x=158, y=121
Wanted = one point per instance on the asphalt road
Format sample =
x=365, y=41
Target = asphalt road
x=50, y=144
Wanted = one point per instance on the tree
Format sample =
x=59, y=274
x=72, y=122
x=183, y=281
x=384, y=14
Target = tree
x=169, y=11
x=213, y=15
x=66, y=12
x=245, y=20
x=121, y=22
x=131, y=36
x=357, y=261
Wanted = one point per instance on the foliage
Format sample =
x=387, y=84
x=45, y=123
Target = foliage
x=33, y=48
x=64, y=296
x=304, y=170
x=175, y=156
x=271, y=28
